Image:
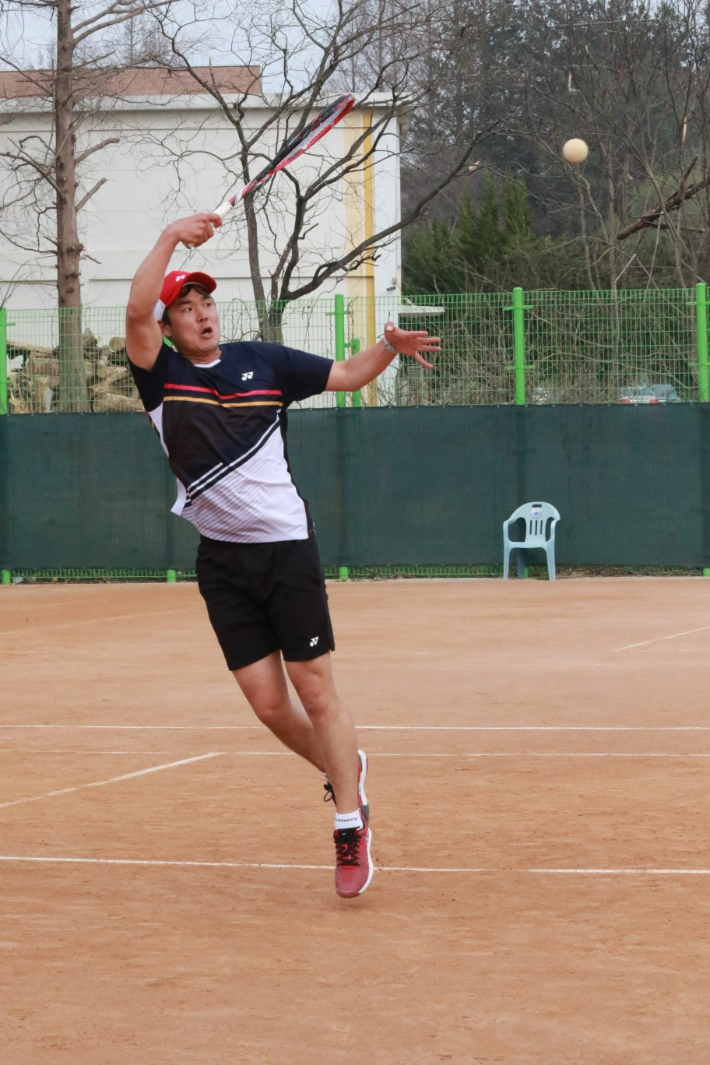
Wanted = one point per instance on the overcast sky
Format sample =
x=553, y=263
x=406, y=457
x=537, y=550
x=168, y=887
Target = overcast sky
x=29, y=35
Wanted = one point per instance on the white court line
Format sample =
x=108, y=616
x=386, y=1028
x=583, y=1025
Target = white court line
x=471, y=754
x=84, y=621
x=657, y=639
x=379, y=868
x=88, y=750
x=150, y=728
x=388, y=728
x=112, y=780
x=146, y=861
x=376, y=754
x=512, y=754
x=625, y=872
x=535, y=728
x=526, y=754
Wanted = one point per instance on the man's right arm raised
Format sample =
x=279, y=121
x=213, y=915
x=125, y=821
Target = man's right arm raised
x=143, y=334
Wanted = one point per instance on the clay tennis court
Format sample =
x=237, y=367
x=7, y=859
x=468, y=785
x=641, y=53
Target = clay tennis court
x=539, y=784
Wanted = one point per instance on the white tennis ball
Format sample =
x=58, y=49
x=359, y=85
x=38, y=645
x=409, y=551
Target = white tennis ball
x=575, y=150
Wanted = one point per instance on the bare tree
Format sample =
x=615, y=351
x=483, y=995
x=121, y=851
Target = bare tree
x=42, y=170
x=376, y=47
x=633, y=79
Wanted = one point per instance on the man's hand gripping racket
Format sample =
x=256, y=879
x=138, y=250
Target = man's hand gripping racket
x=298, y=144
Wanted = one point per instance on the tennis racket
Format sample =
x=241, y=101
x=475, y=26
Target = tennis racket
x=298, y=144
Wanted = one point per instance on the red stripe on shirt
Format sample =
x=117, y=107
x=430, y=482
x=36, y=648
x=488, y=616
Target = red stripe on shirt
x=220, y=395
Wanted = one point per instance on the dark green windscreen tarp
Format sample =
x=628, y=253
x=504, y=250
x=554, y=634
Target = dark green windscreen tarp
x=415, y=486
x=88, y=491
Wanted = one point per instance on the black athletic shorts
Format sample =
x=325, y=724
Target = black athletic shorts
x=263, y=598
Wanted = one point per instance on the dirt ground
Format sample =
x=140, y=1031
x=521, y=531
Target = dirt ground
x=539, y=784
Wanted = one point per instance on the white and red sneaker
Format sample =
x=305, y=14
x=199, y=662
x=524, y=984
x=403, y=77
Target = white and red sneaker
x=353, y=863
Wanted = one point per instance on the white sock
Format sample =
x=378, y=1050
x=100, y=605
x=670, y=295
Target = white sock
x=343, y=821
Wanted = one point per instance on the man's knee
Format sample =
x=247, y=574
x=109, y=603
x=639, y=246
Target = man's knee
x=263, y=684
x=270, y=712
x=319, y=704
x=314, y=683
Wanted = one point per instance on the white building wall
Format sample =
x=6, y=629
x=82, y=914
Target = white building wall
x=177, y=156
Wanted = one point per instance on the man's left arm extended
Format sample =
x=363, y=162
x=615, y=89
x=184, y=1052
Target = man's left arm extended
x=360, y=369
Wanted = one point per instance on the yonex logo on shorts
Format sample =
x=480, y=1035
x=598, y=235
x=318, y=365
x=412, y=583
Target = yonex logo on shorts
x=247, y=376
x=314, y=641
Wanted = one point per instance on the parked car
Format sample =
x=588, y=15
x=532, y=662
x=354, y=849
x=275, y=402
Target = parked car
x=638, y=394
x=541, y=395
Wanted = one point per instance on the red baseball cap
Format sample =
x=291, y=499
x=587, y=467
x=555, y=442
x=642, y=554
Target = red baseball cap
x=175, y=282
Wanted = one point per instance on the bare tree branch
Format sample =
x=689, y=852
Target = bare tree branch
x=386, y=45
x=85, y=199
x=96, y=148
x=650, y=218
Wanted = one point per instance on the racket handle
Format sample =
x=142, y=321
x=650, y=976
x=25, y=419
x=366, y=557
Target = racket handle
x=224, y=209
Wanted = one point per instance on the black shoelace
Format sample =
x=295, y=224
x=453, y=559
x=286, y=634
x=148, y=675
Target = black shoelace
x=347, y=847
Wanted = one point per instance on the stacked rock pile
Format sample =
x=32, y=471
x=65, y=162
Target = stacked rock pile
x=33, y=377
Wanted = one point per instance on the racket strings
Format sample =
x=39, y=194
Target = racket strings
x=301, y=142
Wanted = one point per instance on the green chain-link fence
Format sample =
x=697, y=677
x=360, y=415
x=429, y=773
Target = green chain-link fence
x=497, y=348
x=534, y=348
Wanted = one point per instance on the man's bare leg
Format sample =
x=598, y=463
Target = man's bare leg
x=323, y=732
x=264, y=686
x=325, y=735
x=333, y=728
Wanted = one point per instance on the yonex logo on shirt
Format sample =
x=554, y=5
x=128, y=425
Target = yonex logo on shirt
x=314, y=641
x=247, y=376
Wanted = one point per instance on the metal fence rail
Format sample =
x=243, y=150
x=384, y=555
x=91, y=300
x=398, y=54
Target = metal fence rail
x=497, y=348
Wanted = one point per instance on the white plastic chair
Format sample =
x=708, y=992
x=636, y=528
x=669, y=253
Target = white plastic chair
x=536, y=517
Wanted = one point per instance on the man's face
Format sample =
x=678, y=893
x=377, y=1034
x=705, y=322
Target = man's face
x=194, y=323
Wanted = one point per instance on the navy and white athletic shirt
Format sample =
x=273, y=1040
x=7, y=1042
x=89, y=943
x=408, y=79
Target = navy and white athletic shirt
x=223, y=428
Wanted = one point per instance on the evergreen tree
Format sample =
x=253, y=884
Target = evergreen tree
x=518, y=230
x=474, y=254
x=466, y=240
x=489, y=237
x=430, y=263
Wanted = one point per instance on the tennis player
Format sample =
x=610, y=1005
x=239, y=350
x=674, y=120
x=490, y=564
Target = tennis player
x=220, y=412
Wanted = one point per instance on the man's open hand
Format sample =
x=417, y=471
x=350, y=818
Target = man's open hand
x=194, y=230
x=412, y=342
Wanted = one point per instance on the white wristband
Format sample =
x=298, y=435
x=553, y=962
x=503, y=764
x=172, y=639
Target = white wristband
x=388, y=346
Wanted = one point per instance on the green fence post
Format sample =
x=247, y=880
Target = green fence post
x=171, y=576
x=701, y=317
x=701, y=322
x=355, y=397
x=519, y=367
x=5, y=577
x=3, y=361
x=519, y=345
x=339, y=319
x=340, y=397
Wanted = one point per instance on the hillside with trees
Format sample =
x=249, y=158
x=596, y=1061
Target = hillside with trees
x=633, y=80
